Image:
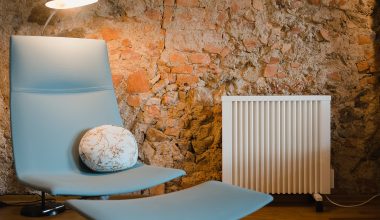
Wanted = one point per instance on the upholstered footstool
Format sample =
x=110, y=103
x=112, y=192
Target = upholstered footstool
x=210, y=200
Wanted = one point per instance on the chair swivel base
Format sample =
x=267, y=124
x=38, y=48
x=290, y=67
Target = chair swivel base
x=49, y=209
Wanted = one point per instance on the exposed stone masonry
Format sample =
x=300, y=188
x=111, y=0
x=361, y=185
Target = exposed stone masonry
x=172, y=60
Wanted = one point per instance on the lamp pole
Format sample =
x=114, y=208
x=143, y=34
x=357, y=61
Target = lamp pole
x=48, y=20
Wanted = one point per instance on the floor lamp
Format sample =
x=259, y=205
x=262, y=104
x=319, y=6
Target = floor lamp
x=64, y=4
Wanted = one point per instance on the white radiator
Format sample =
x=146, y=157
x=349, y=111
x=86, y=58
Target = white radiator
x=277, y=144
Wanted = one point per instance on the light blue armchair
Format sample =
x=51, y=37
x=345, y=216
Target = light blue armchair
x=59, y=88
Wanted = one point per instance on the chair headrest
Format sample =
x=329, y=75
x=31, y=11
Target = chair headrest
x=58, y=64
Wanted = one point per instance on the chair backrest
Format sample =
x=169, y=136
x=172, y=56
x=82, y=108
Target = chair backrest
x=59, y=88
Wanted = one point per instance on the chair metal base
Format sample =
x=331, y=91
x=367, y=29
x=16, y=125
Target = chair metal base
x=50, y=208
x=43, y=209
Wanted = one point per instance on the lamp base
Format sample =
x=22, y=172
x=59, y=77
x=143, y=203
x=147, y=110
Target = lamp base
x=39, y=210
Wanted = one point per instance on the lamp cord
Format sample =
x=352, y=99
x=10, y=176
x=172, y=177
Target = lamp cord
x=351, y=206
x=48, y=20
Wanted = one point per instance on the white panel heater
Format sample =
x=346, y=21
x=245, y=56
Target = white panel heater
x=277, y=144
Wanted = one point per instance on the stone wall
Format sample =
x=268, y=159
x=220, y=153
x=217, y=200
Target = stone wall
x=172, y=60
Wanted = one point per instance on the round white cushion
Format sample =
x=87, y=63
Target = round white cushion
x=108, y=148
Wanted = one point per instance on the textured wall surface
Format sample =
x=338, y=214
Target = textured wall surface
x=172, y=60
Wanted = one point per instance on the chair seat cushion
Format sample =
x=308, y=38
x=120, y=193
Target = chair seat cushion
x=96, y=184
x=210, y=200
x=108, y=148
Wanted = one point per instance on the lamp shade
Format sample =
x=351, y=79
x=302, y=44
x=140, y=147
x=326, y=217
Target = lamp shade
x=66, y=4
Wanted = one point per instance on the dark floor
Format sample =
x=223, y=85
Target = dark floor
x=284, y=208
